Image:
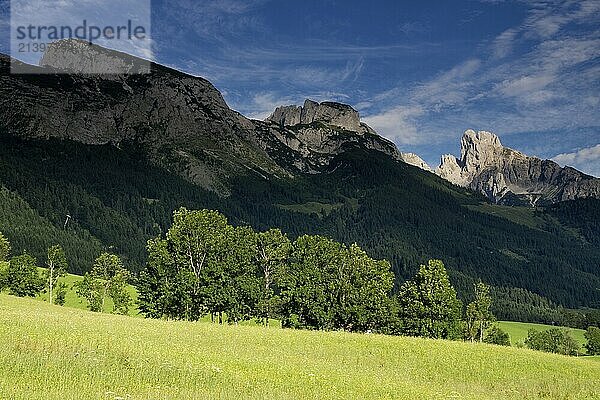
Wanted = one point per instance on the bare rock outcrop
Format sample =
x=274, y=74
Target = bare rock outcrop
x=80, y=57
x=330, y=113
x=327, y=128
x=508, y=176
x=413, y=159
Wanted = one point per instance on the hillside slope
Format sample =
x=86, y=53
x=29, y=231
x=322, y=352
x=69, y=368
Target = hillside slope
x=56, y=353
x=119, y=154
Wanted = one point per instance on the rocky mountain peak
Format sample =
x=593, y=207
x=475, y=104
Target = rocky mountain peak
x=330, y=113
x=507, y=176
x=479, y=142
x=413, y=159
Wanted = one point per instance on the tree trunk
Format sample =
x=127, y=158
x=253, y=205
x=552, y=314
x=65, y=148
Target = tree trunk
x=51, y=281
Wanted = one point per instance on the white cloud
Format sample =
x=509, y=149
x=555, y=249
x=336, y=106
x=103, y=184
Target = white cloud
x=524, y=85
x=552, y=86
x=503, y=44
x=398, y=124
x=586, y=160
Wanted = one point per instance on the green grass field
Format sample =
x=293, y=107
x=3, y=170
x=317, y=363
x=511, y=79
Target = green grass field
x=518, y=331
x=51, y=352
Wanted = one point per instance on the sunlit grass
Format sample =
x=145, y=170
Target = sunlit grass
x=51, y=352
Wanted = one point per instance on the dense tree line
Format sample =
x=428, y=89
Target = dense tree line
x=205, y=266
x=553, y=340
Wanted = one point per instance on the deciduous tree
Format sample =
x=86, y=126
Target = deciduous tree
x=428, y=305
x=272, y=253
x=22, y=276
x=56, y=267
x=479, y=316
x=592, y=336
x=108, y=278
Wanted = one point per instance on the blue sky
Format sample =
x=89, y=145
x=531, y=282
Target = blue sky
x=419, y=72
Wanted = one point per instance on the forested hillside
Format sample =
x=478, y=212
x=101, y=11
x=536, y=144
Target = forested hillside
x=394, y=211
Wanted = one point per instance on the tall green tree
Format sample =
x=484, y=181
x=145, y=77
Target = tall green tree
x=361, y=292
x=22, y=276
x=243, y=285
x=197, y=240
x=189, y=273
x=428, y=305
x=161, y=293
x=306, y=283
x=592, y=335
x=272, y=253
x=108, y=278
x=56, y=267
x=479, y=317
x=329, y=286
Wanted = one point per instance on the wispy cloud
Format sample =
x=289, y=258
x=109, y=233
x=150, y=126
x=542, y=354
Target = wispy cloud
x=533, y=77
x=586, y=160
x=398, y=124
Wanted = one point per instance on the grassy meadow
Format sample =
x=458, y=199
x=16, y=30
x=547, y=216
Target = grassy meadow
x=52, y=352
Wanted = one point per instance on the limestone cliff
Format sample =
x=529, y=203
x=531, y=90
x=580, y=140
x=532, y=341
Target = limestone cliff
x=508, y=176
x=327, y=128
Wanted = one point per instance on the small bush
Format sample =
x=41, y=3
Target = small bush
x=60, y=292
x=495, y=335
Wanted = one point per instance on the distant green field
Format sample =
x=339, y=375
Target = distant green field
x=518, y=331
x=51, y=352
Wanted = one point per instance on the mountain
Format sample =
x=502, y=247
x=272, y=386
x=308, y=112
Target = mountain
x=315, y=122
x=118, y=153
x=507, y=176
x=182, y=122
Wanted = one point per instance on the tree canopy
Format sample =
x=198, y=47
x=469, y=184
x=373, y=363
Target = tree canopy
x=428, y=304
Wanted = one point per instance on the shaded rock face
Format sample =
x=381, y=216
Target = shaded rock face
x=507, y=176
x=328, y=128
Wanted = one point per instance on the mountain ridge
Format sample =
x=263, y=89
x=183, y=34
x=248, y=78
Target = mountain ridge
x=507, y=176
